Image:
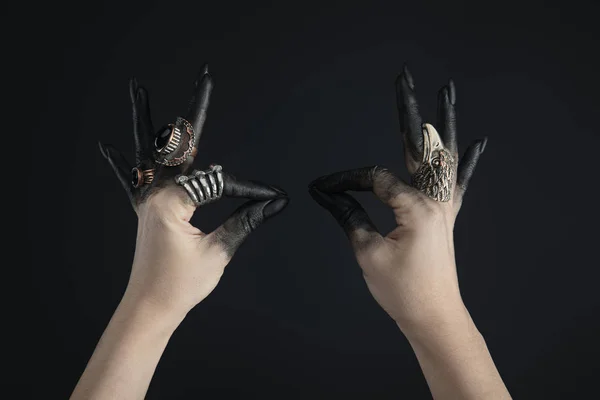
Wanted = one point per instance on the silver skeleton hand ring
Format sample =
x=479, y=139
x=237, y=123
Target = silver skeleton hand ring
x=203, y=187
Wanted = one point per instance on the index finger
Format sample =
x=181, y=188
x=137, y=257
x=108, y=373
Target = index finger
x=234, y=187
x=387, y=186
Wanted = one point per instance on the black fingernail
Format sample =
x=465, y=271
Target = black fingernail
x=445, y=93
x=316, y=194
x=141, y=93
x=279, y=190
x=103, y=150
x=202, y=75
x=313, y=191
x=316, y=182
x=451, y=91
x=325, y=200
x=274, y=207
x=408, y=77
x=482, y=145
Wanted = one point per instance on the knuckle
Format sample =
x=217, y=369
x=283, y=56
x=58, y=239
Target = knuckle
x=403, y=199
x=250, y=221
x=372, y=256
x=168, y=203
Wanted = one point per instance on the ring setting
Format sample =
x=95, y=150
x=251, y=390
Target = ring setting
x=435, y=175
x=140, y=177
x=175, y=143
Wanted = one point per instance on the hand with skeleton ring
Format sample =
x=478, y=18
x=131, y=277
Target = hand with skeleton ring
x=411, y=272
x=176, y=265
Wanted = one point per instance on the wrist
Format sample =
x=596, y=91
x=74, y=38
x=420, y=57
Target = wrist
x=453, y=324
x=146, y=313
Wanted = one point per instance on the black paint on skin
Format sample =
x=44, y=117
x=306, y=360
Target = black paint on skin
x=266, y=201
x=446, y=118
x=329, y=191
x=245, y=220
x=348, y=212
x=408, y=112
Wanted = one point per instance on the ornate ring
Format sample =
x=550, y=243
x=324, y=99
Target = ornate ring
x=175, y=143
x=141, y=177
x=203, y=186
x=435, y=175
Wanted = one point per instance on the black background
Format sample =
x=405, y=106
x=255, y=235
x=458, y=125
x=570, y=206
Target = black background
x=302, y=90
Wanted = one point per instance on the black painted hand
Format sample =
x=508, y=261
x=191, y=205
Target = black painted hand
x=176, y=265
x=411, y=272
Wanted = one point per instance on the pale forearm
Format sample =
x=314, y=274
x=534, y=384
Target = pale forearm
x=456, y=362
x=127, y=354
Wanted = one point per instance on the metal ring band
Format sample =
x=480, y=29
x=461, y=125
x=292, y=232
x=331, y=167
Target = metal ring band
x=174, y=143
x=191, y=192
x=142, y=177
x=213, y=185
x=201, y=177
x=203, y=186
x=218, y=170
x=435, y=175
x=196, y=186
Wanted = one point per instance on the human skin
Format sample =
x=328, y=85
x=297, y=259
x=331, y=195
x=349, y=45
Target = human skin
x=175, y=265
x=411, y=272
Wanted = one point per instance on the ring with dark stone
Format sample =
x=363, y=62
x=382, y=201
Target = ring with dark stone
x=140, y=177
x=174, y=143
x=168, y=139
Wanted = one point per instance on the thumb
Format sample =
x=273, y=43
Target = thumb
x=171, y=202
x=232, y=233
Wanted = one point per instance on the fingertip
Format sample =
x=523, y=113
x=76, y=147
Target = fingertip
x=312, y=190
x=316, y=183
x=204, y=78
x=452, y=91
x=132, y=88
x=210, y=83
x=408, y=76
x=483, y=144
x=279, y=190
x=444, y=93
x=274, y=207
x=321, y=198
x=103, y=150
x=142, y=92
x=399, y=79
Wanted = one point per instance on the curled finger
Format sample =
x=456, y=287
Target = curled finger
x=381, y=181
x=232, y=233
x=351, y=216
